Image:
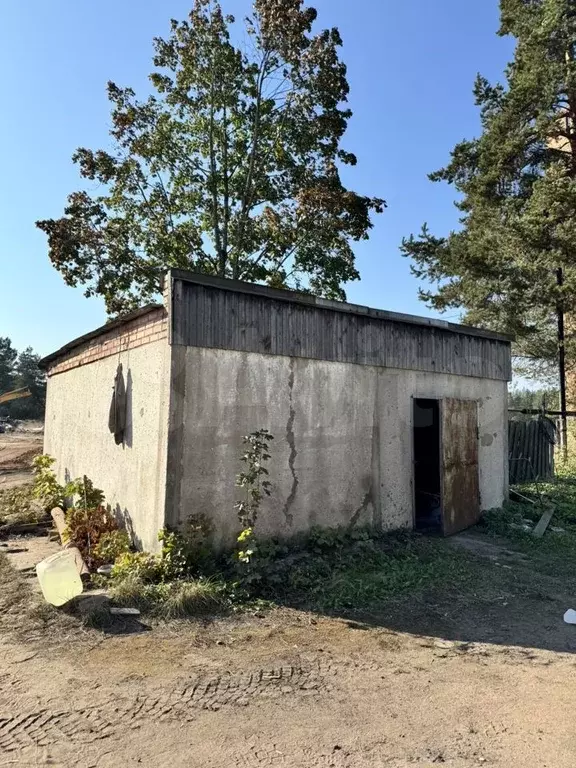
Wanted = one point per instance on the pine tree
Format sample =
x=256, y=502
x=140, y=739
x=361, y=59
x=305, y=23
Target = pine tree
x=8, y=357
x=27, y=374
x=512, y=263
x=532, y=399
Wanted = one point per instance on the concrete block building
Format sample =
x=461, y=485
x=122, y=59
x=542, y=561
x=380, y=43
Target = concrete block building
x=379, y=418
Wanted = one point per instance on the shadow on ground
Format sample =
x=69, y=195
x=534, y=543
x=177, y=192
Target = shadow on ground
x=512, y=604
x=94, y=611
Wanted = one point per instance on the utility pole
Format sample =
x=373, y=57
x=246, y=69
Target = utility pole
x=562, y=368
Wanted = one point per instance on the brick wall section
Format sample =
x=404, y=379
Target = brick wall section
x=167, y=289
x=135, y=333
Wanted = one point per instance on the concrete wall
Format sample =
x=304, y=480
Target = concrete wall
x=343, y=440
x=132, y=475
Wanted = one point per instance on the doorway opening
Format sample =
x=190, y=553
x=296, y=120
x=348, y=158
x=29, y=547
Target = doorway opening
x=427, y=474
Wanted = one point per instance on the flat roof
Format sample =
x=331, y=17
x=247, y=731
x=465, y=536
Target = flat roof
x=298, y=297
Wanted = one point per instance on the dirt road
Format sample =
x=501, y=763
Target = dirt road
x=285, y=688
x=17, y=450
x=482, y=679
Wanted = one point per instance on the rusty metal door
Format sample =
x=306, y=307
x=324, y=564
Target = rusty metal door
x=460, y=482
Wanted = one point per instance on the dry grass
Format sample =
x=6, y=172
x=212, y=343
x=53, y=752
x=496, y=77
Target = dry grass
x=24, y=613
x=15, y=593
x=192, y=598
x=17, y=505
x=174, y=600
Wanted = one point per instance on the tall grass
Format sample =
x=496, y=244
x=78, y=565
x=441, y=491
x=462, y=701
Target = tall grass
x=173, y=600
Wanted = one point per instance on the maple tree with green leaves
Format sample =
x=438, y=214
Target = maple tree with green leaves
x=230, y=167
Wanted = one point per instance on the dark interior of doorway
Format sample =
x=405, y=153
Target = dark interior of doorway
x=427, y=482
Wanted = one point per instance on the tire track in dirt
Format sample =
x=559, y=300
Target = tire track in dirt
x=44, y=727
x=179, y=702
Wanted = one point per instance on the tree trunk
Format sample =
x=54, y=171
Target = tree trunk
x=562, y=370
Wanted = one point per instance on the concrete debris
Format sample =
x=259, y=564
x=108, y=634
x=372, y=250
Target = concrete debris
x=125, y=611
x=544, y=522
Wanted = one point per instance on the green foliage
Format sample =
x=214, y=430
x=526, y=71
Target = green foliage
x=8, y=356
x=86, y=527
x=18, y=371
x=50, y=493
x=507, y=520
x=516, y=186
x=84, y=493
x=167, y=601
x=350, y=569
x=391, y=576
x=532, y=399
x=336, y=540
x=27, y=373
x=186, y=552
x=141, y=566
x=304, y=577
x=555, y=552
x=254, y=483
x=47, y=489
x=112, y=545
x=17, y=505
x=232, y=166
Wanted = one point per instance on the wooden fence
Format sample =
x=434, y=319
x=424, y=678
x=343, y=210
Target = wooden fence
x=531, y=450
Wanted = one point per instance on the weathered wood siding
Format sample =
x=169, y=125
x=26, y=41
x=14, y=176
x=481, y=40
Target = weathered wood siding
x=531, y=450
x=213, y=317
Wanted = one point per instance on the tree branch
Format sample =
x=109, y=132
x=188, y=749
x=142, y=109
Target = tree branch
x=167, y=199
x=213, y=171
x=224, y=255
x=249, y=176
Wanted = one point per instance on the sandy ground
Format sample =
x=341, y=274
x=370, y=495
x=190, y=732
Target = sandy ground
x=494, y=686
x=17, y=449
x=421, y=684
x=282, y=691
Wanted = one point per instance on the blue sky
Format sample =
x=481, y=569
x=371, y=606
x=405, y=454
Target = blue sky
x=411, y=71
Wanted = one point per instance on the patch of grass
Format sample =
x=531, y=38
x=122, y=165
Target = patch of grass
x=555, y=553
x=15, y=593
x=392, y=576
x=358, y=570
x=18, y=505
x=24, y=612
x=193, y=598
x=560, y=493
x=171, y=600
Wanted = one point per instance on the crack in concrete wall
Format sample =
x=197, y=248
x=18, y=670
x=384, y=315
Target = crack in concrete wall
x=362, y=508
x=373, y=494
x=291, y=440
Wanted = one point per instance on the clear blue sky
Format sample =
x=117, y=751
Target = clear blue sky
x=411, y=69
